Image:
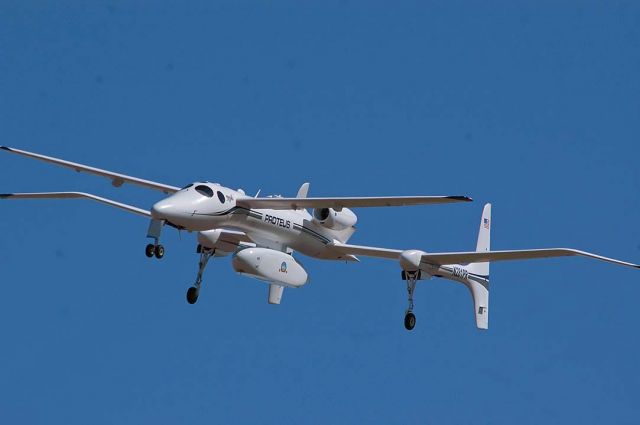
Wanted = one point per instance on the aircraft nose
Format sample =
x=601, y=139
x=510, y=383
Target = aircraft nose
x=163, y=210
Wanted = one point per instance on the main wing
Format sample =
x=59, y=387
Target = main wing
x=117, y=179
x=519, y=254
x=346, y=202
x=366, y=251
x=442, y=258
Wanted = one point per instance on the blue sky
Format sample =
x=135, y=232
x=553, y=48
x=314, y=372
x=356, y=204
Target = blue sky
x=532, y=106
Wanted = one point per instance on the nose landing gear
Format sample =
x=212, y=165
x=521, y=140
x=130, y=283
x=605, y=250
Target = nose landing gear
x=194, y=291
x=154, y=249
x=155, y=228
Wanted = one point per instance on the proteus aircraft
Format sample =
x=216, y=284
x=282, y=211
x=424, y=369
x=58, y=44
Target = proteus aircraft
x=262, y=233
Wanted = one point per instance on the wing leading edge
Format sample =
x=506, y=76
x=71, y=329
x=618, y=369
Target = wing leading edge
x=346, y=202
x=444, y=258
x=521, y=254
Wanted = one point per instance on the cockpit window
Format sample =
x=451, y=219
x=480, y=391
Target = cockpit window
x=221, y=197
x=204, y=190
x=187, y=186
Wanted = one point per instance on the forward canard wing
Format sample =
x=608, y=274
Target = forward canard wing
x=117, y=179
x=76, y=195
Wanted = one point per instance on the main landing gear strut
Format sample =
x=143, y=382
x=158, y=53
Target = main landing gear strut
x=194, y=291
x=409, y=317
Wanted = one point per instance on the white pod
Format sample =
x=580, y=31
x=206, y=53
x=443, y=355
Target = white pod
x=270, y=265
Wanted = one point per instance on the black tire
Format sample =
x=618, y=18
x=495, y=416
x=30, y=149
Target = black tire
x=192, y=295
x=149, y=250
x=159, y=251
x=409, y=321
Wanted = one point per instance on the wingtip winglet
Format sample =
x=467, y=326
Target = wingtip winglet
x=5, y=195
x=5, y=148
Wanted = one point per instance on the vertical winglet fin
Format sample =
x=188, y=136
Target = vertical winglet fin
x=303, y=191
x=484, y=242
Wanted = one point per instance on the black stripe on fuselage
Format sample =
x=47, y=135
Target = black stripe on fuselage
x=235, y=210
x=313, y=233
x=259, y=216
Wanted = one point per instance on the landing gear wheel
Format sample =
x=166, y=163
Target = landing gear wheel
x=409, y=321
x=149, y=250
x=159, y=251
x=192, y=295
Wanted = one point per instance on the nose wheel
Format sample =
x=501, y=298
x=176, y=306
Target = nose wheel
x=154, y=250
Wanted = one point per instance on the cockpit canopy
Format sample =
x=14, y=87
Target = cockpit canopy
x=206, y=189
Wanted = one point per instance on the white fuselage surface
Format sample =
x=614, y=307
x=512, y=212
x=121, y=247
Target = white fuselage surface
x=205, y=206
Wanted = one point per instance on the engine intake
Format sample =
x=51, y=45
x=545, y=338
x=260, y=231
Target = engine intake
x=336, y=220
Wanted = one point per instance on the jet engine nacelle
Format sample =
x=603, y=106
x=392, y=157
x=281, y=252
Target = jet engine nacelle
x=270, y=265
x=336, y=220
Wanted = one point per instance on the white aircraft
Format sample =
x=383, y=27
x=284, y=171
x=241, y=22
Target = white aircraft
x=262, y=234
